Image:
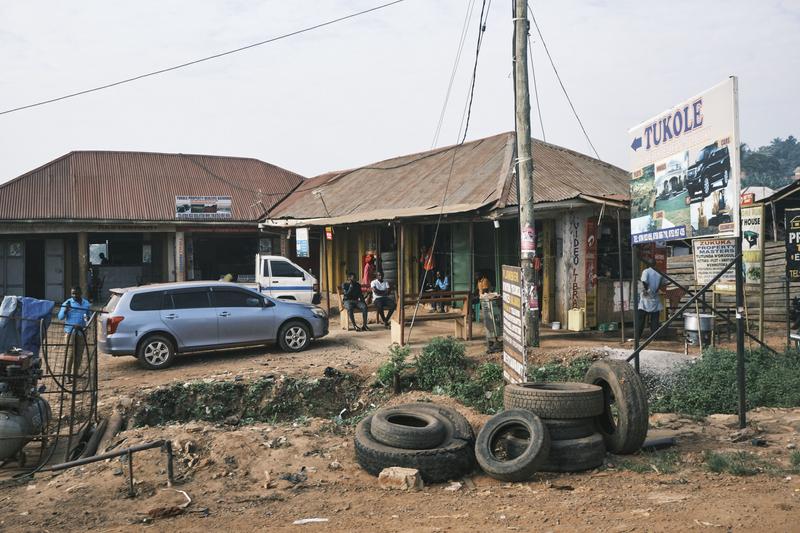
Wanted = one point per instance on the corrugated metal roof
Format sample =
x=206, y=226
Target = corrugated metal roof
x=141, y=186
x=482, y=175
x=479, y=170
x=563, y=174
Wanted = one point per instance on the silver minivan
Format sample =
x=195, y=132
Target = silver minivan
x=156, y=322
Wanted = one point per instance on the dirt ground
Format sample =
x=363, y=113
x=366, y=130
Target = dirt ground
x=233, y=475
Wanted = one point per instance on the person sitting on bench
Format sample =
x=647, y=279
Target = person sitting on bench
x=382, y=299
x=441, y=284
x=352, y=298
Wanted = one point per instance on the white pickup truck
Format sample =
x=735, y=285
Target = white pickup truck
x=278, y=277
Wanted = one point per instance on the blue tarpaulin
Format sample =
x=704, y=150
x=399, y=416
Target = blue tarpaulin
x=9, y=329
x=33, y=311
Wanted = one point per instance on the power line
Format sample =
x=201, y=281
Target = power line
x=465, y=125
x=569, y=100
x=535, y=88
x=461, y=40
x=201, y=60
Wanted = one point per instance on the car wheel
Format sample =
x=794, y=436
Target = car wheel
x=294, y=337
x=156, y=352
x=725, y=177
x=706, y=187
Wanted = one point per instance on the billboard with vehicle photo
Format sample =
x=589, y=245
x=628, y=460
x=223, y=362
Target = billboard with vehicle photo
x=685, y=169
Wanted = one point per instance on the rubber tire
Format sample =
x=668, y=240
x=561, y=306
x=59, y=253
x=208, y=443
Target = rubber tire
x=453, y=459
x=572, y=455
x=706, y=187
x=385, y=428
x=569, y=428
x=555, y=400
x=143, y=346
x=390, y=273
x=388, y=256
x=282, y=336
x=620, y=379
x=452, y=419
x=522, y=465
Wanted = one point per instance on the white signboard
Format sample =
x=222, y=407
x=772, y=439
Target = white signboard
x=710, y=257
x=301, y=239
x=753, y=243
x=514, y=357
x=202, y=207
x=685, y=169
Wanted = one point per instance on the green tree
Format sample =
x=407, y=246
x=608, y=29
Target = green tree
x=771, y=165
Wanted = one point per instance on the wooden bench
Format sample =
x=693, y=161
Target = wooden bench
x=462, y=318
x=344, y=318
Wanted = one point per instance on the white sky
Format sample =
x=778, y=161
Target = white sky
x=372, y=87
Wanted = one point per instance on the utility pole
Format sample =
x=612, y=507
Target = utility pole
x=522, y=111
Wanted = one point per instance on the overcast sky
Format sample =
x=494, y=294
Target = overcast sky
x=373, y=87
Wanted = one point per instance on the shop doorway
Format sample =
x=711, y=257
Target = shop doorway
x=34, y=269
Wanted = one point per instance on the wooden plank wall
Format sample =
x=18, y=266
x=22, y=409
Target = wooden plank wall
x=682, y=270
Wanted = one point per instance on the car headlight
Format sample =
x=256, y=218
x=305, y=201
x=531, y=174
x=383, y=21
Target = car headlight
x=317, y=312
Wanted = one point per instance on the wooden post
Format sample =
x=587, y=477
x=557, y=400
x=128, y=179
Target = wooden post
x=326, y=270
x=621, y=281
x=522, y=111
x=401, y=284
x=83, y=262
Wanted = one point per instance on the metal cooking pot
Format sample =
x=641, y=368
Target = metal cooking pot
x=704, y=323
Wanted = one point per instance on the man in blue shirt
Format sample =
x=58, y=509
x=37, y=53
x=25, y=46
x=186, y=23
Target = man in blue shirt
x=74, y=313
x=442, y=283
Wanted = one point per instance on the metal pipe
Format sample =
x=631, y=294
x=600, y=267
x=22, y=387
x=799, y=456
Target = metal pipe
x=635, y=302
x=636, y=351
x=621, y=281
x=740, y=329
x=108, y=455
x=710, y=307
x=131, y=490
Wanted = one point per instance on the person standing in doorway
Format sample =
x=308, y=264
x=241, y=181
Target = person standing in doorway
x=353, y=298
x=369, y=270
x=74, y=312
x=382, y=299
x=650, y=305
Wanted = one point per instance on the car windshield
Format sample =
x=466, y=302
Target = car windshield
x=704, y=153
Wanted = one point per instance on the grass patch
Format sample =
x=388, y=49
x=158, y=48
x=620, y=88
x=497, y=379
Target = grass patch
x=709, y=385
x=738, y=463
x=573, y=370
x=660, y=462
x=794, y=459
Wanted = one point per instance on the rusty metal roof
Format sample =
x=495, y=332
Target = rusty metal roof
x=562, y=174
x=141, y=186
x=482, y=176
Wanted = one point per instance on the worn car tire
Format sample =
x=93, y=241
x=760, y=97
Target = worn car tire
x=452, y=459
x=526, y=461
x=461, y=427
x=555, y=400
x=569, y=428
x=623, y=388
x=408, y=428
x=156, y=352
x=294, y=336
x=571, y=455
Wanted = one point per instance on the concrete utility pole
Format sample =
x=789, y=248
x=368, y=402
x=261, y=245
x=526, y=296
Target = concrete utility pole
x=522, y=110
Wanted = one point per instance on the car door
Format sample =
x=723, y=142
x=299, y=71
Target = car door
x=189, y=316
x=288, y=281
x=243, y=317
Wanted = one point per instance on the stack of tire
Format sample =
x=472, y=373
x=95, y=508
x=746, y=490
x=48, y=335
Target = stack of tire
x=389, y=266
x=565, y=427
x=436, y=440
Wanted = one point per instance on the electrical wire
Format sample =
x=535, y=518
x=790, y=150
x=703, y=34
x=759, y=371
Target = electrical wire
x=535, y=88
x=465, y=126
x=558, y=77
x=202, y=59
x=461, y=40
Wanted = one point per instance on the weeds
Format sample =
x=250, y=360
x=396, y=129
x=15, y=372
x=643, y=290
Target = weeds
x=794, y=459
x=738, y=463
x=443, y=361
x=573, y=370
x=392, y=371
x=660, y=462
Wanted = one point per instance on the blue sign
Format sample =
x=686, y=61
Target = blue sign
x=669, y=234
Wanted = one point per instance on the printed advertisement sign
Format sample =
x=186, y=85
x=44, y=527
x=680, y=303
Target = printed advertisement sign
x=591, y=271
x=752, y=243
x=575, y=256
x=202, y=207
x=685, y=177
x=710, y=257
x=793, y=244
x=514, y=360
x=301, y=240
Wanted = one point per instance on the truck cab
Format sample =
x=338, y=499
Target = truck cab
x=280, y=278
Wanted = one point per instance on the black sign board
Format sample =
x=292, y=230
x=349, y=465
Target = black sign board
x=793, y=244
